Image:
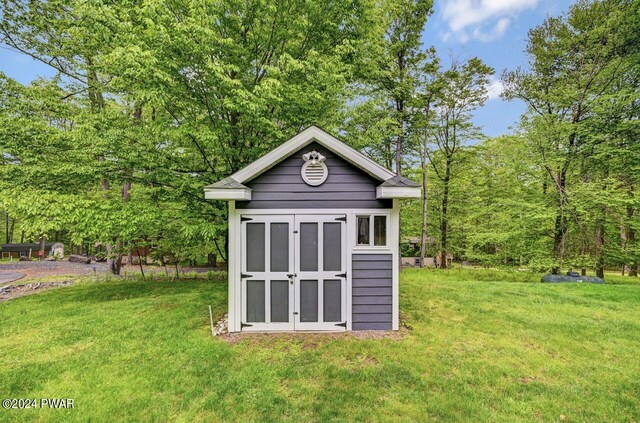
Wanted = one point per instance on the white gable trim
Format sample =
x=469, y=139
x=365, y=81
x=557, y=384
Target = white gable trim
x=304, y=138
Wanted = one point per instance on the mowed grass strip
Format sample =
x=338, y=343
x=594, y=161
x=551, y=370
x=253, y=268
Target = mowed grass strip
x=479, y=348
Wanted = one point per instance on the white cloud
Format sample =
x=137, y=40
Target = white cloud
x=484, y=20
x=496, y=32
x=494, y=89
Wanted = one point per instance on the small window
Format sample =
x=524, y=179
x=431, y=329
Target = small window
x=380, y=230
x=363, y=230
x=371, y=231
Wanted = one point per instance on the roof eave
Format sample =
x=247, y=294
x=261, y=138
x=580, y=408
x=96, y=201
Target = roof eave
x=398, y=192
x=227, y=194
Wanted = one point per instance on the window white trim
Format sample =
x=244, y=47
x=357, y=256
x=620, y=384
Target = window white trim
x=371, y=245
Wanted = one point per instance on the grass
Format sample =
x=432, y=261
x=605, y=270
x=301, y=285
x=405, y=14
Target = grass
x=480, y=348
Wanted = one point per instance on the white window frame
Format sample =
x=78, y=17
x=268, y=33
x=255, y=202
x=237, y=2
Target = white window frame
x=371, y=245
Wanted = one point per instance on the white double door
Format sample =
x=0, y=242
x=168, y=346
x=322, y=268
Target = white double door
x=293, y=272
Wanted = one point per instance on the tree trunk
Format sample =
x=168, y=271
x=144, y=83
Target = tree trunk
x=114, y=258
x=400, y=109
x=630, y=236
x=41, y=252
x=600, y=250
x=444, y=223
x=140, y=262
x=560, y=228
x=130, y=255
x=423, y=232
x=6, y=227
x=11, y=229
x=211, y=260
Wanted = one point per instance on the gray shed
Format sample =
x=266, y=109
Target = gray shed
x=313, y=238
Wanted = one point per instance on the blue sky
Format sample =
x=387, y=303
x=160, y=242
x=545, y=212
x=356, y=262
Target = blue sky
x=493, y=30
x=496, y=32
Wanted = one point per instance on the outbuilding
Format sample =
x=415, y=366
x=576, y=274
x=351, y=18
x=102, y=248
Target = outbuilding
x=313, y=238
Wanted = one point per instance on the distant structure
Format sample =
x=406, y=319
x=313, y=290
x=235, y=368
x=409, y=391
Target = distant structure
x=11, y=251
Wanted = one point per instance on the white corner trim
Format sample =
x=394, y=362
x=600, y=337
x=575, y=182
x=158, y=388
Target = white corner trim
x=239, y=194
x=395, y=281
x=398, y=192
x=304, y=138
x=233, y=311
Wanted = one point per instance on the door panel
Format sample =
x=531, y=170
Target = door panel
x=267, y=273
x=255, y=301
x=332, y=300
x=308, y=300
x=308, y=246
x=255, y=247
x=320, y=281
x=280, y=250
x=280, y=301
x=332, y=246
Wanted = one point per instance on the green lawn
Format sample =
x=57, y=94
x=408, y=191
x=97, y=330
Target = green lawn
x=480, y=348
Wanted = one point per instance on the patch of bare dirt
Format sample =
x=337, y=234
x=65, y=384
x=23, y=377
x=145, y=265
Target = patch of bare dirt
x=309, y=340
x=39, y=269
x=14, y=291
x=42, y=269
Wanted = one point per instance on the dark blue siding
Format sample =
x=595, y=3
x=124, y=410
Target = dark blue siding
x=372, y=291
x=282, y=187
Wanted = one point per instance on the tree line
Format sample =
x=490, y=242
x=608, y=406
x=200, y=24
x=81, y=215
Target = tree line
x=152, y=101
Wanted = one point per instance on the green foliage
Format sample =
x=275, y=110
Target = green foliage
x=563, y=191
x=153, y=101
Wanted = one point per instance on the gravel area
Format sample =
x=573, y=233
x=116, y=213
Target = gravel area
x=38, y=269
x=15, y=291
x=8, y=277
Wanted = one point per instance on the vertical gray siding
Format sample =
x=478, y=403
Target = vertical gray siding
x=282, y=187
x=372, y=296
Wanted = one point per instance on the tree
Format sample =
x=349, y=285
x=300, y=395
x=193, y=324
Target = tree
x=382, y=121
x=461, y=89
x=155, y=100
x=575, y=61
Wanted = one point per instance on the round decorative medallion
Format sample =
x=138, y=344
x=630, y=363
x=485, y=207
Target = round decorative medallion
x=314, y=171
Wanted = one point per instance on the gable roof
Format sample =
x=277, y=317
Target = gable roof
x=312, y=133
x=232, y=188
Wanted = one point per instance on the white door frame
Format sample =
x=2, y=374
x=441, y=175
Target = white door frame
x=320, y=275
x=267, y=276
